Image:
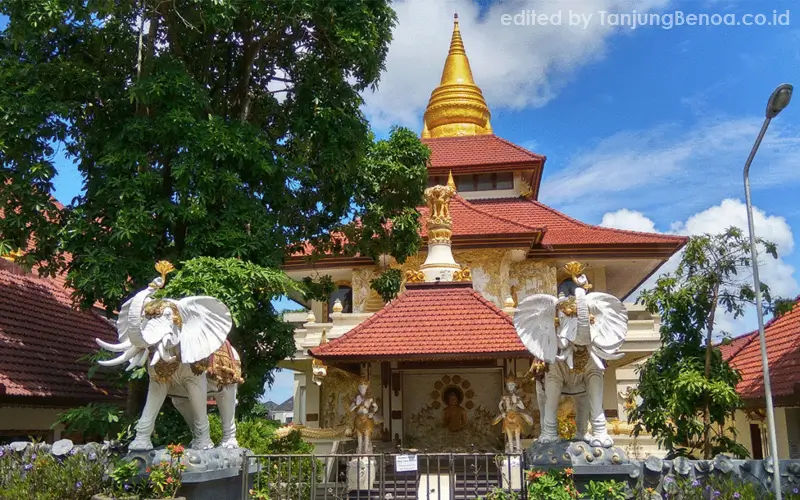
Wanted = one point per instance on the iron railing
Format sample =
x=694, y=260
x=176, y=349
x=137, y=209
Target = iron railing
x=390, y=476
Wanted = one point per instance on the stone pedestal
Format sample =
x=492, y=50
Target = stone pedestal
x=511, y=471
x=587, y=462
x=361, y=472
x=209, y=475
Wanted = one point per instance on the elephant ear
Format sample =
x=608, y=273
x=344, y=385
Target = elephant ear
x=535, y=324
x=206, y=324
x=610, y=322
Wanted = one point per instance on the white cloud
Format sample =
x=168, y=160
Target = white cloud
x=630, y=220
x=516, y=66
x=777, y=273
x=670, y=167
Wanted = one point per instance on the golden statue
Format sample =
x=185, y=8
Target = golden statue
x=365, y=407
x=438, y=200
x=513, y=415
x=454, y=416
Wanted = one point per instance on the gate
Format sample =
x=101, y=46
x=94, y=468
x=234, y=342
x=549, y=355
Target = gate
x=391, y=476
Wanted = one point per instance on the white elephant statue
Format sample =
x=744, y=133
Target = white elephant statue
x=184, y=342
x=574, y=335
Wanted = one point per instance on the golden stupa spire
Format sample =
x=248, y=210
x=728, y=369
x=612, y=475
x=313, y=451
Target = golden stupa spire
x=456, y=106
x=450, y=182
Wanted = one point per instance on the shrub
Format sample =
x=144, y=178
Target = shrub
x=33, y=472
x=553, y=484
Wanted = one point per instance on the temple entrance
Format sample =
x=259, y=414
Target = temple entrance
x=452, y=410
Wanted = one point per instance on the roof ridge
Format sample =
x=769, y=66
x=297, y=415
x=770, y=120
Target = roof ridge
x=748, y=337
x=380, y=312
x=491, y=306
x=520, y=148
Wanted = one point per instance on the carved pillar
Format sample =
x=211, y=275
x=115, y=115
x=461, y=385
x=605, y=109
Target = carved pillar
x=396, y=398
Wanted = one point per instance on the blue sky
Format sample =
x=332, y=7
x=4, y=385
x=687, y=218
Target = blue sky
x=644, y=128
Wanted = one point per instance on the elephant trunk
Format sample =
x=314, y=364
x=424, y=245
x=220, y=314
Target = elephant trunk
x=583, y=335
x=135, y=317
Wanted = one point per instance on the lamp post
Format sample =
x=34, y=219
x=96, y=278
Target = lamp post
x=777, y=101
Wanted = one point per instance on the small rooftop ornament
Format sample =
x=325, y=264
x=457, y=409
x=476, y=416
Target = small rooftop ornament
x=574, y=334
x=183, y=343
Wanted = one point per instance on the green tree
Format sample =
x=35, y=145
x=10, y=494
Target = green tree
x=687, y=390
x=206, y=128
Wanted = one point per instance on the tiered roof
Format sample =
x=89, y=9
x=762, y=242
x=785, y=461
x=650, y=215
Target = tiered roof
x=430, y=321
x=783, y=349
x=546, y=232
x=42, y=337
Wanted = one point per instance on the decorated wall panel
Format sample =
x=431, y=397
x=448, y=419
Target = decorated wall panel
x=528, y=277
x=451, y=411
x=498, y=274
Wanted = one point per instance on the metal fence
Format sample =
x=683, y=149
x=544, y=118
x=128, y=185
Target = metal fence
x=391, y=476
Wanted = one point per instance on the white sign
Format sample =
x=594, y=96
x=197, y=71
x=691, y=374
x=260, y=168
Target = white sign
x=405, y=463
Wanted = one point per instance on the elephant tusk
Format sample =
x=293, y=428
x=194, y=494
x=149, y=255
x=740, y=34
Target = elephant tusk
x=163, y=353
x=156, y=358
x=123, y=346
x=119, y=359
x=137, y=361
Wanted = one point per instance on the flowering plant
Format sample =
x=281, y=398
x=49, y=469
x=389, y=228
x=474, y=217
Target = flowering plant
x=553, y=484
x=165, y=477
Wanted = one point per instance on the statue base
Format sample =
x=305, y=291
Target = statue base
x=361, y=472
x=210, y=474
x=511, y=471
x=587, y=462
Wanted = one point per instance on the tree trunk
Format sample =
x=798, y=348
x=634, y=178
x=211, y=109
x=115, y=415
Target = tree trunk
x=137, y=395
x=709, y=347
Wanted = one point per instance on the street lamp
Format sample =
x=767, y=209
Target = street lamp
x=777, y=101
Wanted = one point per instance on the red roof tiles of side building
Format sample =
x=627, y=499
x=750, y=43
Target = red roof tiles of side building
x=478, y=153
x=783, y=349
x=564, y=230
x=42, y=337
x=430, y=321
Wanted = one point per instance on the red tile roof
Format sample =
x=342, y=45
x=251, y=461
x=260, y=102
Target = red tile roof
x=783, y=348
x=42, y=337
x=479, y=153
x=523, y=222
x=430, y=321
x=564, y=230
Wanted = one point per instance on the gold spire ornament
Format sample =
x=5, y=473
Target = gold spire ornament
x=574, y=269
x=456, y=106
x=164, y=267
x=450, y=182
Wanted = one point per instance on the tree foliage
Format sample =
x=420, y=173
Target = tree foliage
x=207, y=128
x=388, y=284
x=687, y=390
x=220, y=128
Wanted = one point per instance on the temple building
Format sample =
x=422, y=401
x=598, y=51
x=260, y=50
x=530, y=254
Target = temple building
x=782, y=337
x=437, y=354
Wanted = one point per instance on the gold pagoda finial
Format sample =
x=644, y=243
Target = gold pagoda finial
x=450, y=182
x=456, y=106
